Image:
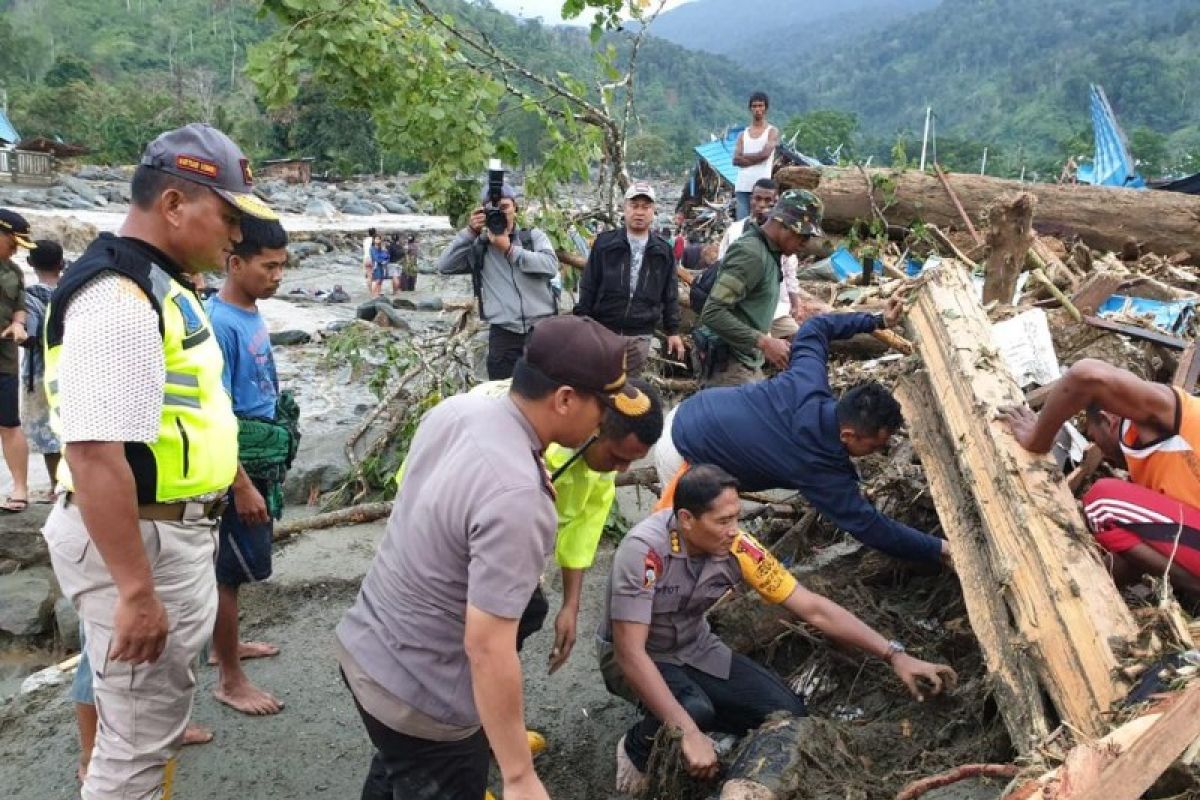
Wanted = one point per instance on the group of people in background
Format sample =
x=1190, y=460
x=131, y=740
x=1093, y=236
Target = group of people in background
x=390, y=260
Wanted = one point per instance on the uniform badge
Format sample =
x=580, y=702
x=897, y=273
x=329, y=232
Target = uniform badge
x=751, y=548
x=192, y=321
x=653, y=568
x=675, y=546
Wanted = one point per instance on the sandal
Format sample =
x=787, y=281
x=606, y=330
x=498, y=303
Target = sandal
x=14, y=505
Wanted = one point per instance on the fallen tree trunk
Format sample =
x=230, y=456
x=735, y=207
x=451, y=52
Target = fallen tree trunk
x=354, y=515
x=1041, y=604
x=1105, y=218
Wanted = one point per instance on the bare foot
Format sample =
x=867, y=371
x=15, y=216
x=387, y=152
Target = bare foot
x=247, y=650
x=247, y=698
x=196, y=734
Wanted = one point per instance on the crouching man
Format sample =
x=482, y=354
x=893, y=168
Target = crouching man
x=657, y=647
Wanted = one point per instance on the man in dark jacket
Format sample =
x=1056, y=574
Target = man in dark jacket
x=629, y=282
x=790, y=432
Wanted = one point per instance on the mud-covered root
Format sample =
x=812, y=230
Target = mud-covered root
x=766, y=760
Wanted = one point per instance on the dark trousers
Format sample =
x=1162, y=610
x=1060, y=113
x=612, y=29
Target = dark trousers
x=504, y=348
x=734, y=705
x=408, y=768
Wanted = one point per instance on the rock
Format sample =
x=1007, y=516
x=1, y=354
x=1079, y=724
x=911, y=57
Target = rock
x=301, y=250
x=72, y=234
x=91, y=172
x=366, y=311
x=320, y=465
x=388, y=317
x=320, y=208
x=395, y=207
x=285, y=338
x=359, y=208
x=337, y=327
x=66, y=622
x=81, y=188
x=426, y=303
x=21, y=536
x=27, y=602
x=338, y=295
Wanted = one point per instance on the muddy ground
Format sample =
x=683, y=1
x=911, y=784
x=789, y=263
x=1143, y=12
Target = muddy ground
x=316, y=747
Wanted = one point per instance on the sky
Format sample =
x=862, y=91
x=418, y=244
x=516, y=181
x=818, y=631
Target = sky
x=548, y=10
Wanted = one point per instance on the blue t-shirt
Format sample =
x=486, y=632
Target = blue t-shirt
x=249, y=374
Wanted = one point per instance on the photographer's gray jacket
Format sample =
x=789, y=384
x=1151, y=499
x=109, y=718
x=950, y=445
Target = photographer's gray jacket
x=516, y=289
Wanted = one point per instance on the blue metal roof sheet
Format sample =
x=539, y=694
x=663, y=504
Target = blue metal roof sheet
x=7, y=132
x=719, y=154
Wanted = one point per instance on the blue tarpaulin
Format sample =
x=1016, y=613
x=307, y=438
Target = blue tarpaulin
x=1171, y=316
x=719, y=154
x=1113, y=164
x=8, y=134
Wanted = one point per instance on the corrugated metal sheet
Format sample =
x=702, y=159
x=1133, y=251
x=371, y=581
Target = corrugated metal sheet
x=719, y=154
x=1113, y=163
x=8, y=133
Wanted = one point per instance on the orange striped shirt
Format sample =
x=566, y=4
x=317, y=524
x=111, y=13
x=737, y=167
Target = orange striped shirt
x=1169, y=464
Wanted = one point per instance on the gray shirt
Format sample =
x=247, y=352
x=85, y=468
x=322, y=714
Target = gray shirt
x=655, y=582
x=637, y=253
x=515, y=286
x=473, y=523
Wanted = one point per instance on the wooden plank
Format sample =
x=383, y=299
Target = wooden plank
x=1066, y=614
x=1098, y=287
x=1138, y=332
x=1137, y=767
x=1013, y=679
x=1188, y=371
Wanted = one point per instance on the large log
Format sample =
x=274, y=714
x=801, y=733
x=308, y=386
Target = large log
x=1035, y=590
x=1106, y=218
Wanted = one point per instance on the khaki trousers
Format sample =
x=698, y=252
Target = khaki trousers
x=142, y=709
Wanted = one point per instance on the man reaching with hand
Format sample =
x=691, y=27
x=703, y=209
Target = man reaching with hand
x=657, y=647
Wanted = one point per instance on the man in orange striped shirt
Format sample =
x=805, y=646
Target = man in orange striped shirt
x=1150, y=524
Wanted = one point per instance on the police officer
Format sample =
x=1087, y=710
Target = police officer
x=656, y=645
x=133, y=379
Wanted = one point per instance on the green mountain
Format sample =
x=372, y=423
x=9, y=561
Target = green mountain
x=1008, y=75
x=759, y=33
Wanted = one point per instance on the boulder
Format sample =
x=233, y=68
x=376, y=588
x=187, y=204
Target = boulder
x=366, y=311
x=21, y=536
x=285, y=338
x=395, y=207
x=81, y=188
x=425, y=303
x=320, y=208
x=66, y=622
x=73, y=234
x=359, y=208
x=320, y=465
x=91, y=172
x=302, y=250
x=388, y=317
x=27, y=602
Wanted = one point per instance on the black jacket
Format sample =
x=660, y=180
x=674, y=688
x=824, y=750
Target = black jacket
x=604, y=288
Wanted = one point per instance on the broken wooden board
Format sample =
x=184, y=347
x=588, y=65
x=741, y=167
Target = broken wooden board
x=1035, y=586
x=1188, y=372
x=1014, y=680
x=1126, y=762
x=1098, y=287
x=1138, y=332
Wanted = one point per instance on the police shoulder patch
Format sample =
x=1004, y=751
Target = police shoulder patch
x=652, y=568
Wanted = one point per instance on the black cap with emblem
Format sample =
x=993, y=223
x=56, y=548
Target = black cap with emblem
x=202, y=154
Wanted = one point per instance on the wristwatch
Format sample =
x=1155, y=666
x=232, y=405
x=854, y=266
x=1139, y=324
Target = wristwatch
x=880, y=320
x=894, y=648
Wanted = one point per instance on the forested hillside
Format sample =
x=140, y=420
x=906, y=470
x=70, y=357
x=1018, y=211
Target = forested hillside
x=110, y=73
x=1008, y=75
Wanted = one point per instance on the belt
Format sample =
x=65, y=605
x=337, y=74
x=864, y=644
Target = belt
x=169, y=512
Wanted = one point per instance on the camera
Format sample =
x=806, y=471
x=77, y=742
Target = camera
x=495, y=220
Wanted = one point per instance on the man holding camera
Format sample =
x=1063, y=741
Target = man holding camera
x=511, y=269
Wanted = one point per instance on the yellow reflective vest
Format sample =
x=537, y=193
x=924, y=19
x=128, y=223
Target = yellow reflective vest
x=196, y=451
